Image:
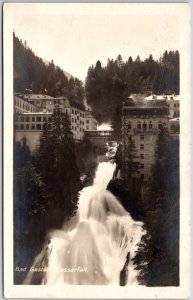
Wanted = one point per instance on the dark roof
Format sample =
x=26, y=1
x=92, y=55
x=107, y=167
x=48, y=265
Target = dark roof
x=138, y=111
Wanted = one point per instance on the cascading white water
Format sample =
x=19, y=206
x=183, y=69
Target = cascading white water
x=91, y=248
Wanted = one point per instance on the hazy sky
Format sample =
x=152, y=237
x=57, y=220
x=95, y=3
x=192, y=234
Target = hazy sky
x=76, y=41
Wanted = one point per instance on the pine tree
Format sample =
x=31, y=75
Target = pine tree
x=59, y=174
x=131, y=164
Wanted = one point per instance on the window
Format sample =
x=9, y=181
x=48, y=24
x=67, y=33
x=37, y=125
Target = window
x=141, y=137
x=27, y=126
x=129, y=126
x=38, y=127
x=22, y=126
x=142, y=166
x=38, y=119
x=87, y=127
x=72, y=128
x=33, y=127
x=22, y=119
x=142, y=156
x=87, y=121
x=142, y=176
x=150, y=125
x=33, y=119
x=142, y=147
x=139, y=125
x=27, y=119
x=144, y=126
x=172, y=127
x=159, y=125
x=72, y=119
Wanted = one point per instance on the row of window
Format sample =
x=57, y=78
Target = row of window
x=40, y=119
x=29, y=126
x=141, y=147
x=76, y=112
x=31, y=119
x=38, y=127
x=76, y=128
x=145, y=125
x=75, y=121
x=24, y=106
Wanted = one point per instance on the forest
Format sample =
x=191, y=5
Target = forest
x=108, y=86
x=105, y=88
x=35, y=75
x=40, y=178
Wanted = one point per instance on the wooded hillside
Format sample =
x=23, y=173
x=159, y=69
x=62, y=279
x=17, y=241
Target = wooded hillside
x=32, y=72
x=107, y=86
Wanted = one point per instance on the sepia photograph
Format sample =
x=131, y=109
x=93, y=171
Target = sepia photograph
x=96, y=109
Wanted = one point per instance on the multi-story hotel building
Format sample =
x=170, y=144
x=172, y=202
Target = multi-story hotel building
x=172, y=101
x=141, y=124
x=21, y=105
x=29, y=123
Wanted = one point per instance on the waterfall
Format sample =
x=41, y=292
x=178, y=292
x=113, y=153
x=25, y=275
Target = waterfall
x=92, y=248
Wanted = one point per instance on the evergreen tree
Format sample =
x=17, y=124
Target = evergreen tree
x=57, y=168
x=107, y=86
x=31, y=72
x=131, y=165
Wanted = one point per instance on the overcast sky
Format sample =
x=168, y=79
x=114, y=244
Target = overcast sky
x=76, y=41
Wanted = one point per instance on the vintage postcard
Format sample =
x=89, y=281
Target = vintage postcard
x=96, y=150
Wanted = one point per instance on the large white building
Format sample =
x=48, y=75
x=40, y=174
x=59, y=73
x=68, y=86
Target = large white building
x=141, y=124
x=35, y=109
x=172, y=101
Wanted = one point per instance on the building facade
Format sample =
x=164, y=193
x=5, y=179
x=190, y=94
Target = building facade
x=172, y=101
x=21, y=105
x=141, y=125
x=29, y=122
